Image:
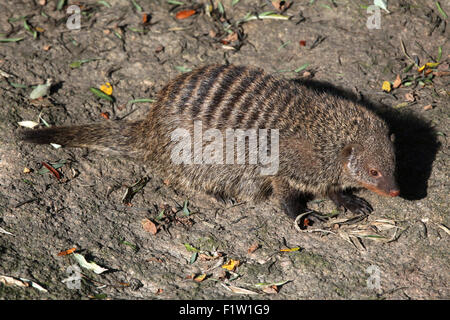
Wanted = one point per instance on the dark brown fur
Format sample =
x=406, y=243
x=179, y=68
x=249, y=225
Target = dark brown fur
x=327, y=144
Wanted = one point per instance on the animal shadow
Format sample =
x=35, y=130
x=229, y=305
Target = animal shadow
x=415, y=143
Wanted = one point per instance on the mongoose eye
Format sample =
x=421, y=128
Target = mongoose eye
x=374, y=173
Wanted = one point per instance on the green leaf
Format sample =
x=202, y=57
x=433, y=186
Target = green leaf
x=60, y=4
x=178, y=3
x=408, y=67
x=55, y=165
x=303, y=67
x=438, y=5
x=183, y=69
x=136, y=30
x=138, y=7
x=439, y=54
x=101, y=94
x=193, y=257
x=17, y=85
x=29, y=29
x=41, y=90
x=78, y=63
x=160, y=215
x=140, y=100
x=16, y=19
x=220, y=7
x=186, y=211
x=284, y=45
x=190, y=248
x=129, y=244
x=117, y=34
x=268, y=284
x=235, y=2
x=106, y=4
x=11, y=40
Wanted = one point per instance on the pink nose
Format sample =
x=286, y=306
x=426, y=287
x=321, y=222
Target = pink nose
x=394, y=193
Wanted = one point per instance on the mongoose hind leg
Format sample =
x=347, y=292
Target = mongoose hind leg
x=350, y=202
x=222, y=198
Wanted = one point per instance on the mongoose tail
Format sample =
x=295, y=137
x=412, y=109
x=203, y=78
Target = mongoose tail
x=111, y=137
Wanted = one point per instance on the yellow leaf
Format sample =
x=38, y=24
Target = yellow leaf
x=106, y=88
x=432, y=64
x=386, y=86
x=421, y=68
x=200, y=278
x=290, y=250
x=231, y=265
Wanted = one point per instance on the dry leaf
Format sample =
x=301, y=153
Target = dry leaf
x=88, y=265
x=444, y=228
x=230, y=38
x=253, y=248
x=409, y=97
x=306, y=74
x=10, y=281
x=66, y=252
x=185, y=14
x=106, y=88
x=46, y=47
x=145, y=18
x=105, y=115
x=21, y=282
x=290, y=250
x=238, y=290
x=428, y=107
x=200, y=278
x=28, y=124
x=386, y=86
x=231, y=265
x=149, y=226
x=397, y=82
x=41, y=90
x=271, y=289
x=5, y=232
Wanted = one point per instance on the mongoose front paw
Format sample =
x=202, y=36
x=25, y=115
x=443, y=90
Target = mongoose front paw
x=354, y=204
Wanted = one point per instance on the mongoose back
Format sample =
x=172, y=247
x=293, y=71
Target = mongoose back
x=326, y=144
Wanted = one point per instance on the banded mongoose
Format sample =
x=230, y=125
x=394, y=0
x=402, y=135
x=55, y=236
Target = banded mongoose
x=327, y=144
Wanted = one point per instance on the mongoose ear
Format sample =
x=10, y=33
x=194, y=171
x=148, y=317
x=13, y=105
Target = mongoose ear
x=349, y=150
x=392, y=137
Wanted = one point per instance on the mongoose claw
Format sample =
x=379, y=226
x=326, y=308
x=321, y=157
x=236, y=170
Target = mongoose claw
x=352, y=203
x=356, y=204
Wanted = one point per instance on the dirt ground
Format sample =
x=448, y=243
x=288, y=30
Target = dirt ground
x=325, y=41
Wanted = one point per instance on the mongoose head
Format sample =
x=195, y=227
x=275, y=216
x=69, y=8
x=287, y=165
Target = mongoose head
x=371, y=164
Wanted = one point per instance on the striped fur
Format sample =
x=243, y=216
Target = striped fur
x=314, y=129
